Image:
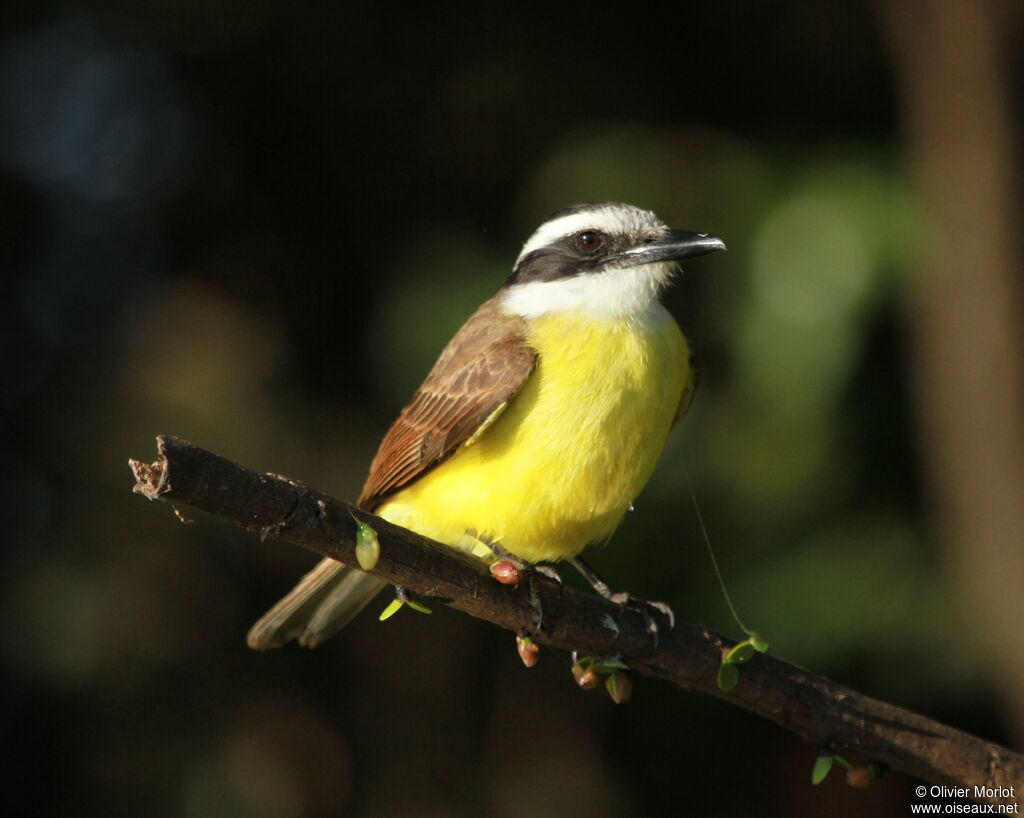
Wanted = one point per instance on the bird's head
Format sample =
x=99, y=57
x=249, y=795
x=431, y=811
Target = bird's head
x=607, y=259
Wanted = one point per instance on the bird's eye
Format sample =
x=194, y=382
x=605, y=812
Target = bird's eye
x=589, y=240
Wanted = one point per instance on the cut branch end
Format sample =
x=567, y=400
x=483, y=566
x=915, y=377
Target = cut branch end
x=150, y=478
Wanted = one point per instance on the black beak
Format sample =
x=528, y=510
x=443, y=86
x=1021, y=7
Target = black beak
x=675, y=246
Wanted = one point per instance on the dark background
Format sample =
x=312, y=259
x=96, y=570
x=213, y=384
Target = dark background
x=255, y=224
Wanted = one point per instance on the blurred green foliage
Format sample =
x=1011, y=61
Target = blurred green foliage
x=347, y=185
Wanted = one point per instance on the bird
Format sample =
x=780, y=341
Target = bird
x=542, y=419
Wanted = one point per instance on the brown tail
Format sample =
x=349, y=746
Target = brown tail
x=323, y=602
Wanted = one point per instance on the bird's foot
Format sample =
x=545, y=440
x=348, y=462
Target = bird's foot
x=533, y=573
x=648, y=609
x=509, y=569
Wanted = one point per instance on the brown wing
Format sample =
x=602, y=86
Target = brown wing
x=479, y=371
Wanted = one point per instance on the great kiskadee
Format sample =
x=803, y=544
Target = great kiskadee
x=543, y=418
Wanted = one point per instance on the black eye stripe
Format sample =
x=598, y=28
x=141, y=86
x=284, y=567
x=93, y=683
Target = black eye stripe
x=547, y=264
x=564, y=258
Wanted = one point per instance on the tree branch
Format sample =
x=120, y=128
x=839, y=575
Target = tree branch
x=813, y=707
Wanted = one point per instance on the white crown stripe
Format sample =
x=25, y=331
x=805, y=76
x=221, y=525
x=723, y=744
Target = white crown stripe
x=606, y=218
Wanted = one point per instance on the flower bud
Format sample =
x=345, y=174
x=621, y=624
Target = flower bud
x=860, y=777
x=586, y=677
x=529, y=651
x=506, y=572
x=619, y=686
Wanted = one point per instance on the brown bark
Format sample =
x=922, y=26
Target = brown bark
x=813, y=707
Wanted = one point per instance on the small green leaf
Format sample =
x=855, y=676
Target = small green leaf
x=821, y=768
x=741, y=652
x=728, y=676
x=390, y=610
x=759, y=644
x=842, y=762
x=419, y=607
x=364, y=532
x=367, y=546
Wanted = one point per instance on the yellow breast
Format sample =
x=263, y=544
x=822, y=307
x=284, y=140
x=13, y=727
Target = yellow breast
x=560, y=466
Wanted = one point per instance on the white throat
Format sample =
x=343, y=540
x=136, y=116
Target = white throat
x=629, y=292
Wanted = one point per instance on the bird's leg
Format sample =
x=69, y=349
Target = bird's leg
x=530, y=571
x=626, y=600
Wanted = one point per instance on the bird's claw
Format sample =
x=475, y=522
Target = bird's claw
x=646, y=608
x=532, y=572
x=549, y=572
